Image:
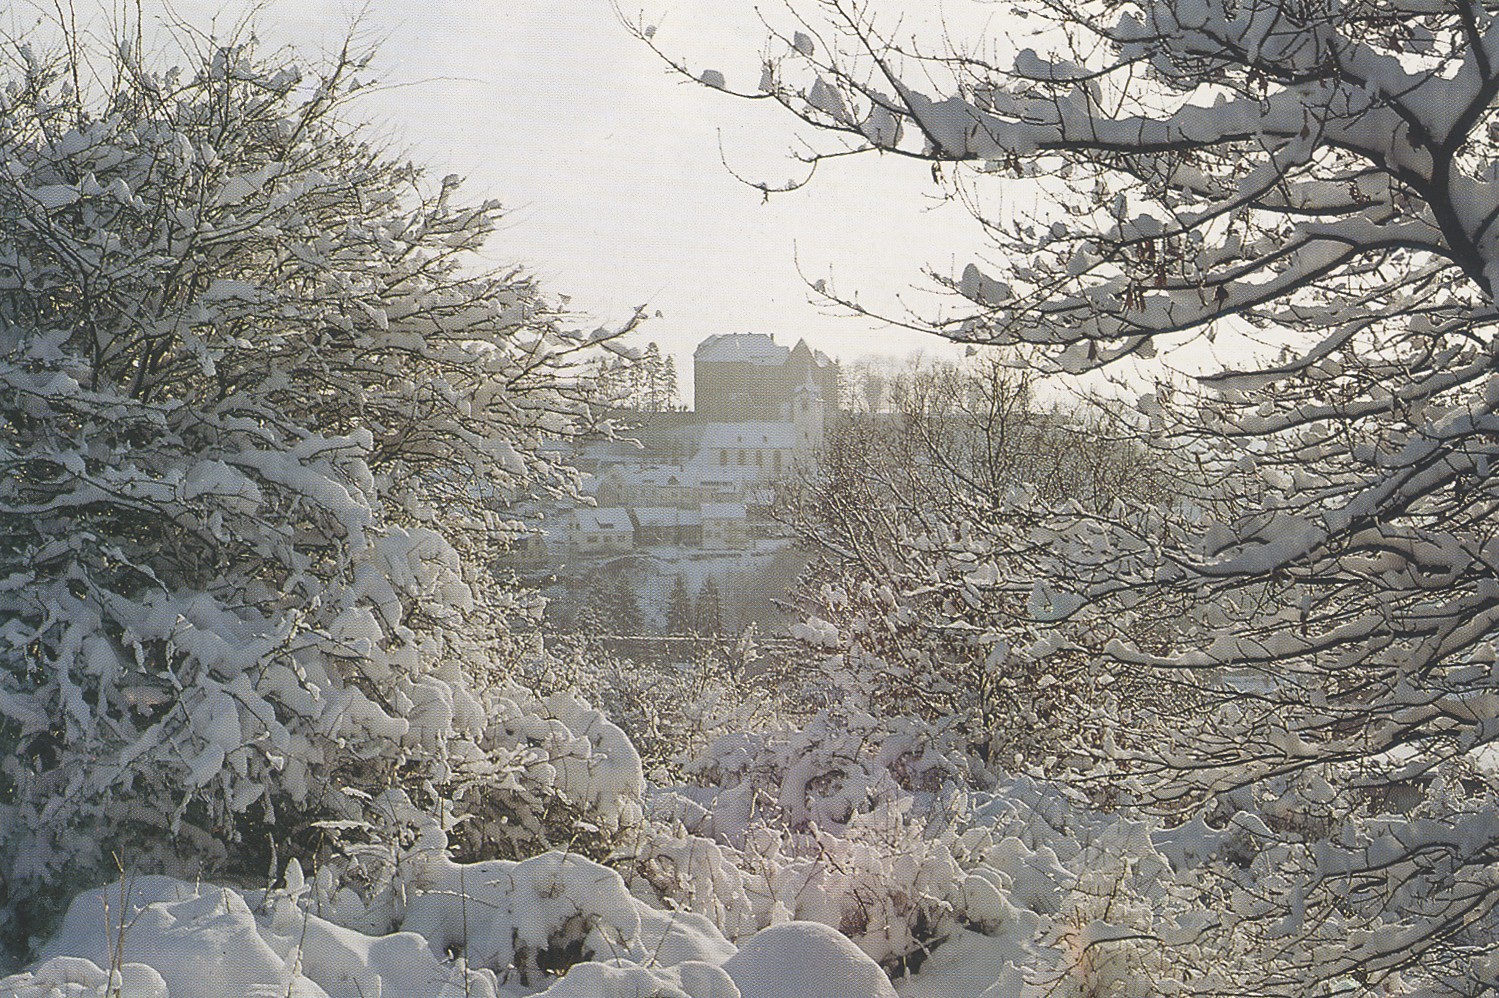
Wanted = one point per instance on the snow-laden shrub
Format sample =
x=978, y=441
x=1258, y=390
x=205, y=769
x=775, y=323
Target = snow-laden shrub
x=844, y=821
x=547, y=773
x=245, y=362
x=556, y=922
x=881, y=881
x=873, y=830
x=670, y=711
x=1021, y=890
x=567, y=777
x=838, y=764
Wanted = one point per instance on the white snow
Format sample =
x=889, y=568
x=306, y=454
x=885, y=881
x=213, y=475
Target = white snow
x=805, y=960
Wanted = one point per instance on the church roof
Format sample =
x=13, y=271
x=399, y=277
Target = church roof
x=817, y=357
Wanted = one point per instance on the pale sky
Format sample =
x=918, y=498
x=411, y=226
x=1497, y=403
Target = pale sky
x=611, y=168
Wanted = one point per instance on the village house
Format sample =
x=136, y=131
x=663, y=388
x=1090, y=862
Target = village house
x=667, y=525
x=593, y=532
x=725, y=527
x=528, y=551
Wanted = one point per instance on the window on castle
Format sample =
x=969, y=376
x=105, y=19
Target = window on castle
x=741, y=458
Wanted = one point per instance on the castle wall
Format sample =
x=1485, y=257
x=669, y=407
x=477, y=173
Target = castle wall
x=736, y=391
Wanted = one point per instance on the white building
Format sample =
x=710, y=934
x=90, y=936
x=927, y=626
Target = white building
x=600, y=531
x=764, y=450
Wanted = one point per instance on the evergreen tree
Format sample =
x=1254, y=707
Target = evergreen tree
x=648, y=379
x=671, y=398
x=623, y=608
x=595, y=612
x=679, y=615
x=707, y=610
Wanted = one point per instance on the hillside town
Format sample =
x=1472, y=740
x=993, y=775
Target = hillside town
x=681, y=500
x=696, y=481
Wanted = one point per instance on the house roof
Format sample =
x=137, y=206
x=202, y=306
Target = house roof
x=818, y=358
x=605, y=519
x=723, y=511
x=664, y=516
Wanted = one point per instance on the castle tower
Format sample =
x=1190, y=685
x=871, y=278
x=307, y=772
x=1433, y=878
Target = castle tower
x=738, y=377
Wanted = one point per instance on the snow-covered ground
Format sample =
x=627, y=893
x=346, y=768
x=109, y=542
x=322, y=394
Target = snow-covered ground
x=1005, y=883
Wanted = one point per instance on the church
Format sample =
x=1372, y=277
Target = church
x=700, y=479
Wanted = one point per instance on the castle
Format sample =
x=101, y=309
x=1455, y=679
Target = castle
x=740, y=377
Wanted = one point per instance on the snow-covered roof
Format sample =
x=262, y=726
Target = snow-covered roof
x=606, y=519
x=753, y=348
x=648, y=474
x=660, y=472
x=666, y=516
x=610, y=452
x=818, y=358
x=763, y=435
x=723, y=511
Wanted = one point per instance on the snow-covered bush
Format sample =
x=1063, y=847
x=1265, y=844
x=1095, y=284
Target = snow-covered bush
x=252, y=391
x=1084, y=902
x=671, y=712
x=832, y=767
x=548, y=773
x=555, y=923
x=838, y=821
x=1022, y=889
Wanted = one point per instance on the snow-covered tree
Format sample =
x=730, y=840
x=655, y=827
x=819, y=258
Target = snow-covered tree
x=921, y=514
x=1315, y=185
x=707, y=609
x=255, y=390
x=668, y=389
x=638, y=379
x=679, y=608
x=623, y=606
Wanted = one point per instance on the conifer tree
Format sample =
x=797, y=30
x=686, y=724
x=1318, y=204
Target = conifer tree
x=679, y=613
x=707, y=609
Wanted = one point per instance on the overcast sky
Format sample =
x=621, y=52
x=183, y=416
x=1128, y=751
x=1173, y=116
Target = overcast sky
x=613, y=168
